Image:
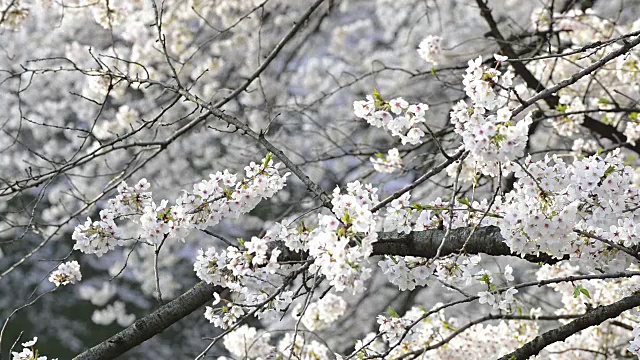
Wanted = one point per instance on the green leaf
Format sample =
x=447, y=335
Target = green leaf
x=379, y=155
x=607, y=172
x=580, y=290
x=417, y=206
x=576, y=291
x=392, y=313
x=379, y=101
x=448, y=326
x=485, y=279
x=346, y=218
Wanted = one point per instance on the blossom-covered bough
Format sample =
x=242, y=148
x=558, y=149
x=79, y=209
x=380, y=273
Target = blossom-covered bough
x=275, y=180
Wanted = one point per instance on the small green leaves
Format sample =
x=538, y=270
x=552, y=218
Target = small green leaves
x=392, y=313
x=607, y=172
x=580, y=290
x=485, y=278
x=267, y=160
x=561, y=107
x=417, y=206
x=378, y=100
x=448, y=326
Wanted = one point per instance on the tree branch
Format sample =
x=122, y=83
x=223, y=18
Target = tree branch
x=152, y=324
x=484, y=240
x=592, y=318
x=548, y=95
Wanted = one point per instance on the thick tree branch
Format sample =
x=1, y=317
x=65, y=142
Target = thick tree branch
x=592, y=318
x=484, y=240
x=150, y=325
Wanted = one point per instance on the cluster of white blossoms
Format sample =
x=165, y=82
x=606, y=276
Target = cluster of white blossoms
x=390, y=163
x=28, y=352
x=294, y=239
x=98, y=297
x=246, y=342
x=341, y=246
x=584, y=146
x=252, y=272
x=211, y=201
x=225, y=316
x=553, y=199
x=249, y=272
x=597, y=292
x=302, y=347
x=66, y=273
x=404, y=217
x=499, y=301
x=430, y=49
x=479, y=342
x=100, y=236
x=113, y=312
x=229, y=267
x=223, y=196
x=131, y=200
x=407, y=272
x=399, y=214
x=322, y=313
x=396, y=116
x=486, y=126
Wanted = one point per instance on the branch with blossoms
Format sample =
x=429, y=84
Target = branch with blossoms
x=14, y=15
x=549, y=94
x=595, y=317
x=424, y=244
x=348, y=237
x=310, y=261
